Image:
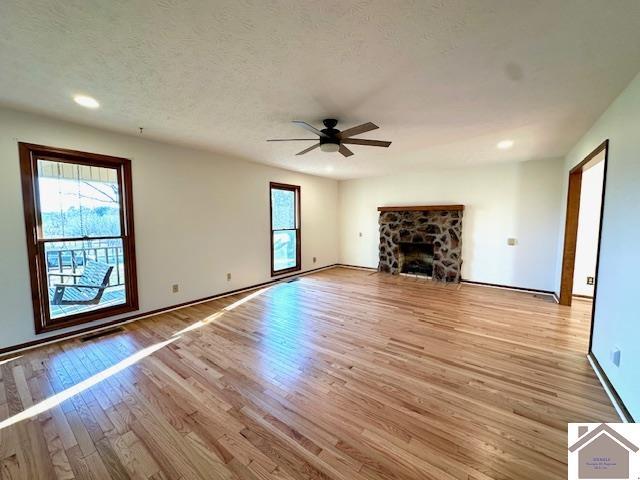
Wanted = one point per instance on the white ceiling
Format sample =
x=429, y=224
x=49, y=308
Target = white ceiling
x=444, y=79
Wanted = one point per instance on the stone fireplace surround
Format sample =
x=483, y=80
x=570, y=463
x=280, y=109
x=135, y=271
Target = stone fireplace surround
x=440, y=225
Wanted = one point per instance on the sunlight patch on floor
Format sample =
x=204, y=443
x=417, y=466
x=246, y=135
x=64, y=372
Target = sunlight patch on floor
x=251, y=296
x=7, y=360
x=60, y=397
x=215, y=316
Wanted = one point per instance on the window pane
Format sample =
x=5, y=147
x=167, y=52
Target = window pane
x=284, y=249
x=283, y=209
x=84, y=276
x=78, y=200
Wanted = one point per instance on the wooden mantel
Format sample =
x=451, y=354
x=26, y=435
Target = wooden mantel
x=421, y=208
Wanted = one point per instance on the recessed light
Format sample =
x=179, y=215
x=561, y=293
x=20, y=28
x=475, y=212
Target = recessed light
x=505, y=144
x=86, y=101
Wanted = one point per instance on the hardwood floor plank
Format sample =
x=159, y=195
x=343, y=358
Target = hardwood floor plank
x=343, y=374
x=10, y=468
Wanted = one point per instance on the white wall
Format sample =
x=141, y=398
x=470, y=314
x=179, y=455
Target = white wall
x=617, y=316
x=197, y=216
x=518, y=200
x=588, y=228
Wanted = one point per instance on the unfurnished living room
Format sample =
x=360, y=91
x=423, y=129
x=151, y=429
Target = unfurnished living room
x=373, y=239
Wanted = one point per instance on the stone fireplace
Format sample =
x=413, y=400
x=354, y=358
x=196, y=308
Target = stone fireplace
x=424, y=240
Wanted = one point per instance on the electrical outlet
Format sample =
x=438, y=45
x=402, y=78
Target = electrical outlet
x=512, y=242
x=314, y=259
x=175, y=288
x=615, y=356
x=228, y=277
x=590, y=280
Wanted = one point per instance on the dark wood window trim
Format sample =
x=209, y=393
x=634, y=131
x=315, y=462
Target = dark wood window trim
x=29, y=155
x=296, y=190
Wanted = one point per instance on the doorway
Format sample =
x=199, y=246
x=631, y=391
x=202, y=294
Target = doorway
x=581, y=251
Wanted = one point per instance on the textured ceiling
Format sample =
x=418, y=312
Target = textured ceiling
x=445, y=80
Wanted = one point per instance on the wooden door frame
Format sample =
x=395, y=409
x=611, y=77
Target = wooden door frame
x=571, y=227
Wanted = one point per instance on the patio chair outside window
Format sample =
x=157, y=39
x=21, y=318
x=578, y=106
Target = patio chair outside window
x=89, y=289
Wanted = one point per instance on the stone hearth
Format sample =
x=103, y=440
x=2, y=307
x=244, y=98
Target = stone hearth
x=440, y=227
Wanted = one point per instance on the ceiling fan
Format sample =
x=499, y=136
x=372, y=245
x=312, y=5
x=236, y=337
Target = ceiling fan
x=334, y=140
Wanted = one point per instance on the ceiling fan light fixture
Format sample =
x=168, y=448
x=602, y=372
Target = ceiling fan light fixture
x=330, y=147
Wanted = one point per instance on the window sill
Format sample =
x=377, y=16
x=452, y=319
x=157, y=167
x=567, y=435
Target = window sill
x=286, y=270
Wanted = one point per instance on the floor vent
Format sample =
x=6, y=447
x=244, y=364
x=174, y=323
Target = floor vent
x=103, y=333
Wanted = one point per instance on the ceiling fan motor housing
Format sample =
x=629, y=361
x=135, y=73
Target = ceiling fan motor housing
x=332, y=135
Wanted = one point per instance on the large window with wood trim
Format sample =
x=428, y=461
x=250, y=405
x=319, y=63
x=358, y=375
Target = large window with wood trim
x=285, y=228
x=80, y=238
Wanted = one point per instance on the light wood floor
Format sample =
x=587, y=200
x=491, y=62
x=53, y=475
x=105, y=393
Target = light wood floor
x=342, y=374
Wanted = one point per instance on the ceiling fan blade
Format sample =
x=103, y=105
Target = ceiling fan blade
x=311, y=128
x=293, y=140
x=362, y=141
x=350, y=132
x=307, y=150
x=345, y=151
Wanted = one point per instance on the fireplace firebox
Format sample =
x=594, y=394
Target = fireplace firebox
x=416, y=258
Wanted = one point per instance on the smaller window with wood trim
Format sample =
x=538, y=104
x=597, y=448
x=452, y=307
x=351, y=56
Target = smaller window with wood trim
x=80, y=239
x=285, y=228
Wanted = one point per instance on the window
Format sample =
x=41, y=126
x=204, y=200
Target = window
x=80, y=240
x=285, y=228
